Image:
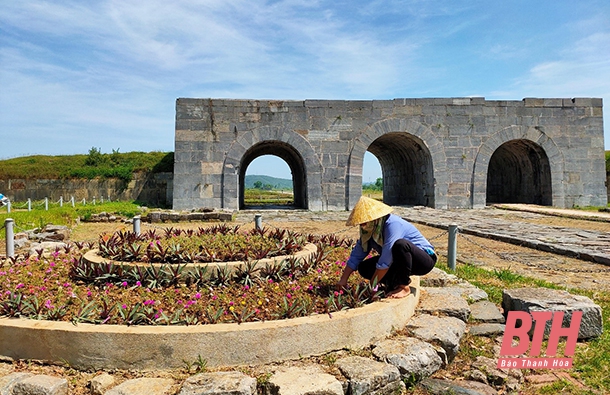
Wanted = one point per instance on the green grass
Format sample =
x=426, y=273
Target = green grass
x=257, y=197
x=95, y=164
x=592, y=358
x=66, y=215
x=373, y=193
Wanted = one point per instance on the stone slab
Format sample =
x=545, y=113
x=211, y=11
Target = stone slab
x=309, y=380
x=486, y=311
x=219, y=383
x=366, y=376
x=545, y=299
x=445, y=331
x=444, y=302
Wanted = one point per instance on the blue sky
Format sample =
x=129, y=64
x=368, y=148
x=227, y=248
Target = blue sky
x=106, y=74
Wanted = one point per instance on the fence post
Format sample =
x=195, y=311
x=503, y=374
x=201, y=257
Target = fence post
x=452, y=246
x=94, y=200
x=72, y=200
x=102, y=199
x=136, y=224
x=46, y=204
x=10, y=237
x=258, y=221
x=8, y=207
x=29, y=204
x=61, y=201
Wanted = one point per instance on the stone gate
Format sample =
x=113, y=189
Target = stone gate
x=441, y=153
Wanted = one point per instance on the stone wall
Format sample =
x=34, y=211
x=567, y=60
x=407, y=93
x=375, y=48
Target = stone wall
x=442, y=153
x=151, y=189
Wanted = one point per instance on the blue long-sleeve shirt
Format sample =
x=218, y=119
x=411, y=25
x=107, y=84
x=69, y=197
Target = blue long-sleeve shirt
x=395, y=228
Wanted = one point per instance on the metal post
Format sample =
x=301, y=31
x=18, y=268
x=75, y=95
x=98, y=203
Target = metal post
x=8, y=207
x=46, y=204
x=72, y=200
x=258, y=221
x=136, y=224
x=10, y=237
x=102, y=199
x=94, y=200
x=61, y=201
x=29, y=204
x=452, y=246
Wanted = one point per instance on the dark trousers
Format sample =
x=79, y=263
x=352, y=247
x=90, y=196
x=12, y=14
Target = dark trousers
x=407, y=259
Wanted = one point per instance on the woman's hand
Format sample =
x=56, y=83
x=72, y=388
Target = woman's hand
x=340, y=285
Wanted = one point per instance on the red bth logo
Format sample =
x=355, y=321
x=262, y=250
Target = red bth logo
x=522, y=332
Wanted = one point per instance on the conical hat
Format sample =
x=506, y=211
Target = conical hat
x=366, y=210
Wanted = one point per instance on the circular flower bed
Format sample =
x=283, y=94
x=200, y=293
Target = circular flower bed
x=59, y=287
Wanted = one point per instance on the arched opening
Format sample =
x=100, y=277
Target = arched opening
x=271, y=152
x=519, y=172
x=372, y=177
x=406, y=169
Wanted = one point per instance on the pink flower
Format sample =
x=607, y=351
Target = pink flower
x=214, y=297
x=138, y=284
x=288, y=296
x=198, y=295
x=124, y=283
x=123, y=306
x=48, y=304
x=20, y=285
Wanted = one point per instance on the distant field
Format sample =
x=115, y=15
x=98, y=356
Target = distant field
x=257, y=197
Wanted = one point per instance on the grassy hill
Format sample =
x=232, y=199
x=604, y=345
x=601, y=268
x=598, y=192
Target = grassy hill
x=95, y=164
x=276, y=183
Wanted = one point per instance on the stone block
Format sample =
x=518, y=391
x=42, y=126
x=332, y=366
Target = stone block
x=41, y=384
x=100, y=383
x=366, y=376
x=486, y=329
x=446, y=331
x=308, y=380
x=412, y=357
x=142, y=386
x=544, y=299
x=486, y=311
x=443, y=386
x=219, y=383
x=8, y=382
x=438, y=301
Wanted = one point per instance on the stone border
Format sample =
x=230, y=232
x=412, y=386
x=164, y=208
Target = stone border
x=86, y=346
x=307, y=253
